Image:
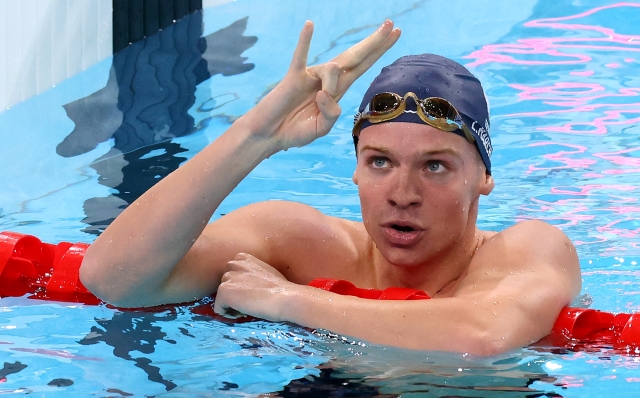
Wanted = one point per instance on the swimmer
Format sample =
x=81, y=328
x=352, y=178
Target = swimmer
x=423, y=160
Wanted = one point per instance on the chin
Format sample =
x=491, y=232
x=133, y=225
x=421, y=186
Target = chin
x=405, y=258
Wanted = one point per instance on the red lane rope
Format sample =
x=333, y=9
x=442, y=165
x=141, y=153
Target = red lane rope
x=46, y=271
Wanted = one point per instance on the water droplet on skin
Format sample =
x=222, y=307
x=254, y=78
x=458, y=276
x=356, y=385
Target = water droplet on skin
x=465, y=181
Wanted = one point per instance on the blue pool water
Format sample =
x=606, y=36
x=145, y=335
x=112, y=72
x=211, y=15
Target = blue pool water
x=562, y=81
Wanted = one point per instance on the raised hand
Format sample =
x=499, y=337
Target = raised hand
x=304, y=105
x=147, y=256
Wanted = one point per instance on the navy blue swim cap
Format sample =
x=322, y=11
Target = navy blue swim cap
x=430, y=75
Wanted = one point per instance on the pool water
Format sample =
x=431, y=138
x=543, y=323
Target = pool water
x=562, y=81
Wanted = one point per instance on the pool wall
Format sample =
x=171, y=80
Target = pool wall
x=44, y=42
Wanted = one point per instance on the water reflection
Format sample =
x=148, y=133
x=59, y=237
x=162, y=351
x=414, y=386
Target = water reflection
x=574, y=123
x=129, y=332
x=145, y=104
x=358, y=370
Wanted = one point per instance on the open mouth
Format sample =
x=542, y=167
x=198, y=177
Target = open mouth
x=402, y=228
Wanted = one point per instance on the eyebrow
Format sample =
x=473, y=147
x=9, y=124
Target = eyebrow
x=449, y=151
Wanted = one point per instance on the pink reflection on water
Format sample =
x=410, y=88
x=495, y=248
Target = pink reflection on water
x=614, y=157
x=563, y=50
x=581, y=73
x=598, y=125
x=623, y=232
x=554, y=47
x=572, y=94
x=618, y=159
x=611, y=272
x=588, y=110
x=562, y=157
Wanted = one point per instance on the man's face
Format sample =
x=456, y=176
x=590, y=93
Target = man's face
x=419, y=189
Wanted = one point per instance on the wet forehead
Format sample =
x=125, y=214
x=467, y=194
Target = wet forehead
x=411, y=139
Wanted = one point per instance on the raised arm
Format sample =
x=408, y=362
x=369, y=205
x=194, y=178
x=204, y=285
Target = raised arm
x=134, y=262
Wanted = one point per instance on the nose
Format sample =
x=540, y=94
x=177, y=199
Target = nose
x=405, y=191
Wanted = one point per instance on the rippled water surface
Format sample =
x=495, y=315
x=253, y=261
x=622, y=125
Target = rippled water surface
x=562, y=81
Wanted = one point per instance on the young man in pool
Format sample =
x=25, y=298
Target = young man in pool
x=421, y=167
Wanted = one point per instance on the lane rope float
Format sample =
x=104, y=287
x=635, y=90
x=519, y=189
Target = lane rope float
x=46, y=271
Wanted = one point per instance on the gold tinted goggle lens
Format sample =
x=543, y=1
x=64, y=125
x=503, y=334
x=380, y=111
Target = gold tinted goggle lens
x=434, y=111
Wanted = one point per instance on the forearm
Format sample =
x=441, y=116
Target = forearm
x=440, y=324
x=138, y=251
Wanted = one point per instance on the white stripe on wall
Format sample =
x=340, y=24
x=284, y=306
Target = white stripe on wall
x=43, y=42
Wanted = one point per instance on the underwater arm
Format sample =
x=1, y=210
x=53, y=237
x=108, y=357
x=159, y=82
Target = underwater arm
x=154, y=252
x=512, y=303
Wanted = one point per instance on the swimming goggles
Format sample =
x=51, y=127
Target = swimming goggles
x=434, y=111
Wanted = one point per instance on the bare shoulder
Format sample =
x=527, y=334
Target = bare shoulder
x=295, y=238
x=534, y=238
x=277, y=218
x=530, y=251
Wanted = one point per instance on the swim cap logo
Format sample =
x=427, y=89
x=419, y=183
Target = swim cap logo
x=483, y=134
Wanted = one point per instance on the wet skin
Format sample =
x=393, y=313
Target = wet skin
x=419, y=189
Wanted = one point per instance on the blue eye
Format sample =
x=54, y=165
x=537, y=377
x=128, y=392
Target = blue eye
x=435, y=166
x=379, y=162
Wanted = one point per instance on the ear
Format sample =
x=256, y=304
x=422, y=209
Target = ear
x=487, y=185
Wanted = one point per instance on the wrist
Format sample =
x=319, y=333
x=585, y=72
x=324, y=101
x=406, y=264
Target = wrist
x=304, y=304
x=256, y=134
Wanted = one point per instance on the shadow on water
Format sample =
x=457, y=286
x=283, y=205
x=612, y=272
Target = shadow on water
x=498, y=379
x=127, y=332
x=145, y=104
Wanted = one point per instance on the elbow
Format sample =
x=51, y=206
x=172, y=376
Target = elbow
x=88, y=274
x=489, y=347
x=93, y=276
x=488, y=343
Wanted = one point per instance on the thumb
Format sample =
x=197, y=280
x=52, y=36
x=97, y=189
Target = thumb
x=329, y=112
